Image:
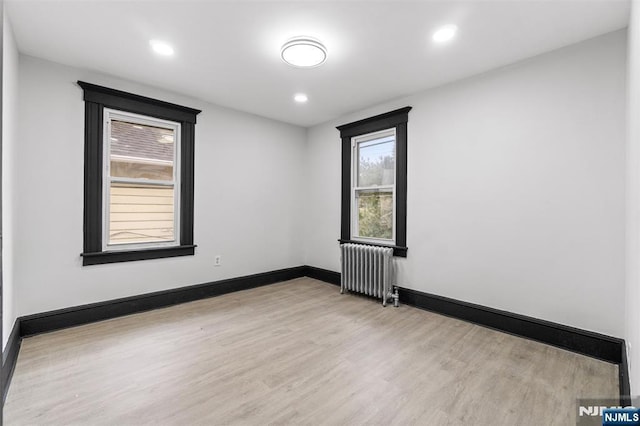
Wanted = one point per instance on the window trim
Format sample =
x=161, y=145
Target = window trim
x=397, y=119
x=96, y=99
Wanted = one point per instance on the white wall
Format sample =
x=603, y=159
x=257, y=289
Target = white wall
x=632, y=334
x=515, y=187
x=247, y=196
x=516, y=191
x=9, y=148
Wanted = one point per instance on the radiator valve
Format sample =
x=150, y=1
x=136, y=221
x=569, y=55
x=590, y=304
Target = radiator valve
x=396, y=296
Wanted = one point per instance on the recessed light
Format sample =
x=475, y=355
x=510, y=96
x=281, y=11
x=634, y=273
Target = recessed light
x=161, y=48
x=300, y=98
x=444, y=33
x=305, y=52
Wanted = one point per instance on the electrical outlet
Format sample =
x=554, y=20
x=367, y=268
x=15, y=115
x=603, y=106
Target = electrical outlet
x=217, y=261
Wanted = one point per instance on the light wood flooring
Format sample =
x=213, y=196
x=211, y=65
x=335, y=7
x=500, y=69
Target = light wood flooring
x=297, y=352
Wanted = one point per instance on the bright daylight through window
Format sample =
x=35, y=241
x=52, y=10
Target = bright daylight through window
x=374, y=186
x=374, y=181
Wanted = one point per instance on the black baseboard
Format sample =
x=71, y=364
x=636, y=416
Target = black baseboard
x=323, y=275
x=581, y=341
x=77, y=315
x=595, y=345
x=584, y=342
x=623, y=378
x=10, y=357
x=69, y=317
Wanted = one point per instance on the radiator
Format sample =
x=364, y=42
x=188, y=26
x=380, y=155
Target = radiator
x=368, y=270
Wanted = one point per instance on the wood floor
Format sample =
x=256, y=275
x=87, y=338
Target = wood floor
x=297, y=352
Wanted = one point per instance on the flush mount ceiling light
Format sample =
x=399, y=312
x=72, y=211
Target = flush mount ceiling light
x=161, y=48
x=444, y=33
x=304, y=52
x=300, y=98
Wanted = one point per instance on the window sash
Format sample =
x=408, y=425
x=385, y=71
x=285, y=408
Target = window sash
x=356, y=217
x=355, y=190
x=109, y=115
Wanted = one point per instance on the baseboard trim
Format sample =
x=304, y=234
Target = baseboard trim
x=84, y=314
x=577, y=340
x=588, y=343
x=10, y=357
x=585, y=342
x=78, y=315
x=623, y=378
x=325, y=275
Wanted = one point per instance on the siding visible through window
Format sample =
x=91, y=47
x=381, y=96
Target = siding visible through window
x=138, y=180
x=140, y=213
x=141, y=181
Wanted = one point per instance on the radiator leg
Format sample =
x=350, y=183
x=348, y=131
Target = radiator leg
x=384, y=301
x=396, y=297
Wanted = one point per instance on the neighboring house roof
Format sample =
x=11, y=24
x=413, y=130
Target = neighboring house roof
x=141, y=141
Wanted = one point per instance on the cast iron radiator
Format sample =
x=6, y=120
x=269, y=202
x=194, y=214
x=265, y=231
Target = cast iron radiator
x=368, y=270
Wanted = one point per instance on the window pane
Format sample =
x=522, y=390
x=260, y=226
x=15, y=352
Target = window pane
x=376, y=162
x=141, y=152
x=375, y=214
x=140, y=213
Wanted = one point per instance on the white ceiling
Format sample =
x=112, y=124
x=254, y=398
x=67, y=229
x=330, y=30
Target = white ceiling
x=228, y=53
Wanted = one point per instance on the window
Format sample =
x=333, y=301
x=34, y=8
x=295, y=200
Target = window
x=138, y=177
x=141, y=182
x=374, y=181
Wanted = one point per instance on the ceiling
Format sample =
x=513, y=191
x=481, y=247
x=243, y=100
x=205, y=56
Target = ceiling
x=228, y=52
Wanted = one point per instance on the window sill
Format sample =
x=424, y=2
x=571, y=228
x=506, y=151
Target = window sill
x=129, y=256
x=398, y=251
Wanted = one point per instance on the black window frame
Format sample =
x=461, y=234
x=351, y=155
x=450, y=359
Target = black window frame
x=96, y=98
x=397, y=119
